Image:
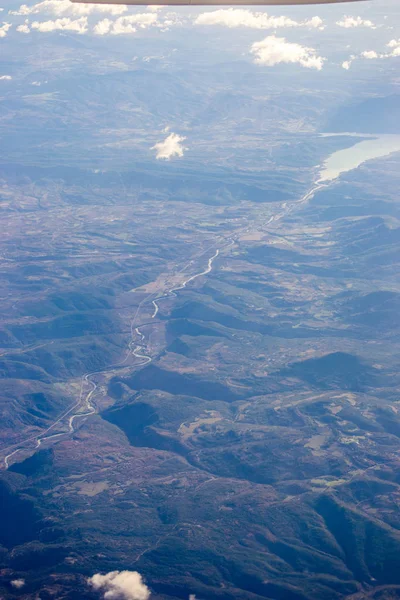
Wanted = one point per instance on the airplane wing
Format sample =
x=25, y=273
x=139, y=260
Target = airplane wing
x=214, y=2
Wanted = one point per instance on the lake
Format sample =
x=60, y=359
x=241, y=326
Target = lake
x=350, y=158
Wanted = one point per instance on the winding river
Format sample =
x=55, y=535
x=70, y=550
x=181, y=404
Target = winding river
x=84, y=406
x=337, y=163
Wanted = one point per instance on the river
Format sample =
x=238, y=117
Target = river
x=337, y=163
x=350, y=158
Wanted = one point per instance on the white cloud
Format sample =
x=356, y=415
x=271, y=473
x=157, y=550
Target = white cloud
x=350, y=22
x=60, y=8
x=171, y=146
x=369, y=54
x=5, y=77
x=240, y=17
x=315, y=22
x=120, y=585
x=394, y=45
x=394, y=51
x=103, y=27
x=22, y=11
x=172, y=19
x=148, y=59
x=18, y=583
x=4, y=29
x=275, y=50
x=66, y=24
x=23, y=28
x=124, y=25
x=347, y=63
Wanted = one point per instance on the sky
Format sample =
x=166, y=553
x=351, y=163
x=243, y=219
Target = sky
x=302, y=36
x=45, y=45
